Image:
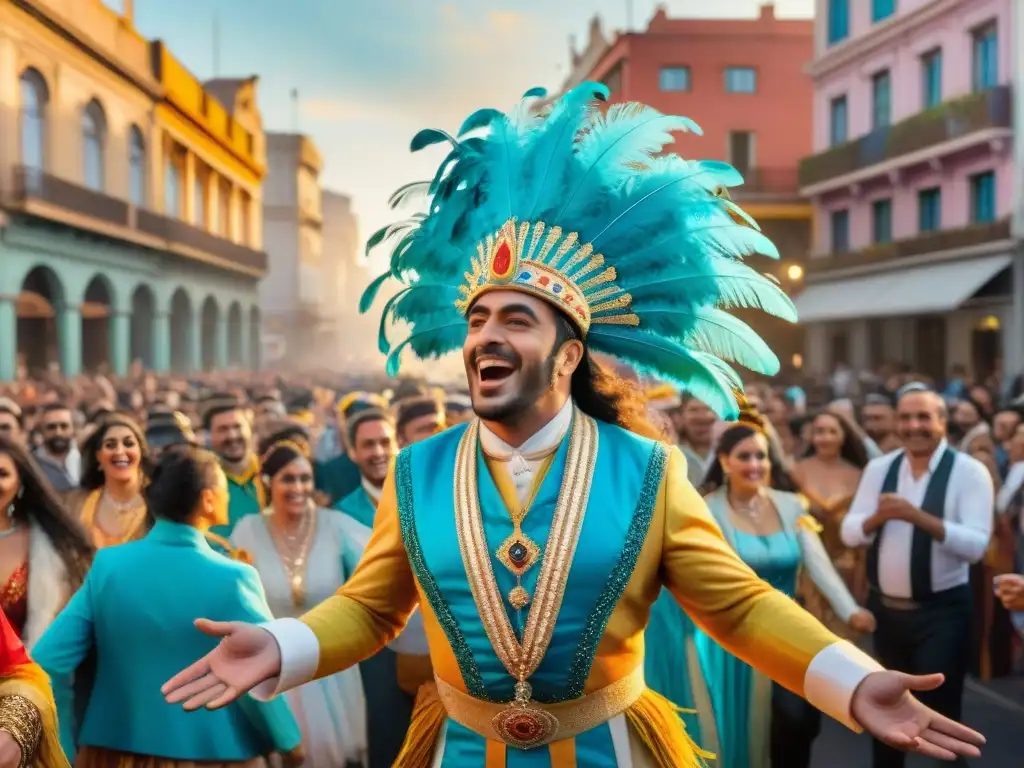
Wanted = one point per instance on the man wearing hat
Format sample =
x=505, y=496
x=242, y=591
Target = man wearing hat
x=418, y=418
x=336, y=473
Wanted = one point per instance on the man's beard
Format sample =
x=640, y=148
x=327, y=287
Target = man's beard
x=534, y=381
x=57, y=446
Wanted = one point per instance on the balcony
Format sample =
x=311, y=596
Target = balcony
x=949, y=121
x=177, y=232
x=33, y=187
x=929, y=242
x=767, y=183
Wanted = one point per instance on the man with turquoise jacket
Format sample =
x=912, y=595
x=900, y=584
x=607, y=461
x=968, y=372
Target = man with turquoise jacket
x=135, y=612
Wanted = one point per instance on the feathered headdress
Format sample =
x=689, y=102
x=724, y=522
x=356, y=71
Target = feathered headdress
x=576, y=206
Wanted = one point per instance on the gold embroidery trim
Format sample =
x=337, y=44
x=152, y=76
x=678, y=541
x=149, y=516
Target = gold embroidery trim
x=522, y=659
x=574, y=717
x=20, y=718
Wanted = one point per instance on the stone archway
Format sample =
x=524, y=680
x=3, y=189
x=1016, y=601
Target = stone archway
x=255, y=340
x=96, y=323
x=143, y=314
x=209, y=320
x=236, y=348
x=182, y=328
x=42, y=294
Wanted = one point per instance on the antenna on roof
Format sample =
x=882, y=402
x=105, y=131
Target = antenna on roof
x=295, y=110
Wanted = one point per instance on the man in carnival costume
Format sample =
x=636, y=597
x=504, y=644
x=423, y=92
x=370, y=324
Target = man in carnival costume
x=552, y=235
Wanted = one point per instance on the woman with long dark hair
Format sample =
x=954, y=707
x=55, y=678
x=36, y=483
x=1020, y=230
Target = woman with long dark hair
x=749, y=495
x=44, y=552
x=115, y=466
x=136, y=611
x=828, y=476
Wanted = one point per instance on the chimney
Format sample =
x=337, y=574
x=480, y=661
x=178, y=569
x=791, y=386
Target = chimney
x=128, y=11
x=767, y=12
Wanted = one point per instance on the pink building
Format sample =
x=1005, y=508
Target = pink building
x=912, y=183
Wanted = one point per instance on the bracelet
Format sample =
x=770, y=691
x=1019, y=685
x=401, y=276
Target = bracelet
x=20, y=718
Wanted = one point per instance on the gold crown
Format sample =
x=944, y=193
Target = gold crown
x=555, y=267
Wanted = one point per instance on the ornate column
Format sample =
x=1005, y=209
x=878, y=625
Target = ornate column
x=220, y=343
x=69, y=339
x=8, y=337
x=195, y=342
x=245, y=343
x=120, y=340
x=161, y=342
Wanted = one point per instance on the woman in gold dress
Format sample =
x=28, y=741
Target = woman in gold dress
x=827, y=476
x=115, y=465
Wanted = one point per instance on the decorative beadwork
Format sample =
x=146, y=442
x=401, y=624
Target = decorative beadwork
x=620, y=575
x=407, y=521
x=20, y=718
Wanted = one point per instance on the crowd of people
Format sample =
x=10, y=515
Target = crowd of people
x=288, y=477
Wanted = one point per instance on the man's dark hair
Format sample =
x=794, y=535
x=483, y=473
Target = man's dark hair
x=365, y=417
x=600, y=393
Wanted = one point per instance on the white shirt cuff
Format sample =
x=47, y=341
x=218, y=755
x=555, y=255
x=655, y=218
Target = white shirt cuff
x=300, y=656
x=832, y=678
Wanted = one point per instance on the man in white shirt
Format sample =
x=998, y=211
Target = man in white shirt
x=925, y=515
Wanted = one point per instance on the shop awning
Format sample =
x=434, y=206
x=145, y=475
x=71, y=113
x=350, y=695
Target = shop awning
x=930, y=289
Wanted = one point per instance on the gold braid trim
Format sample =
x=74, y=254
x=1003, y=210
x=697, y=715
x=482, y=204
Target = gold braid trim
x=29, y=682
x=20, y=718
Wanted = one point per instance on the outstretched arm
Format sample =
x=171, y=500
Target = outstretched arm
x=366, y=614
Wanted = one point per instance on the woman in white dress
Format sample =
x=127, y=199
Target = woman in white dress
x=303, y=554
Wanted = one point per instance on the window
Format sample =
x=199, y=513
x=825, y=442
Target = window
x=840, y=226
x=983, y=198
x=613, y=80
x=223, y=209
x=741, y=151
x=929, y=210
x=881, y=221
x=674, y=79
x=199, y=200
x=741, y=80
x=881, y=108
x=882, y=10
x=838, y=121
x=931, y=78
x=137, y=166
x=244, y=218
x=94, y=137
x=34, y=97
x=172, y=186
x=986, y=57
x=838, y=20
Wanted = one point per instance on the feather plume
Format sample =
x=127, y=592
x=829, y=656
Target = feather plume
x=430, y=136
x=429, y=343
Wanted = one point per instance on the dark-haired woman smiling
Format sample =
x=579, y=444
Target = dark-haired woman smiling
x=44, y=553
x=136, y=611
x=115, y=461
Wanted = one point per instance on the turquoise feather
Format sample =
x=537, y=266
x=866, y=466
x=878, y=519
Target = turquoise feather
x=370, y=294
x=678, y=248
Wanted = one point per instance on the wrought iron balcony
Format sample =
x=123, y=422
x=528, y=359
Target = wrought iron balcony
x=927, y=242
x=34, y=186
x=180, y=233
x=945, y=122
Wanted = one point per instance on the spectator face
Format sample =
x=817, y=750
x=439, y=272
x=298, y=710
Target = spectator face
x=966, y=416
x=698, y=420
x=9, y=427
x=375, y=447
x=1004, y=425
x=56, y=427
x=921, y=421
x=231, y=435
x=878, y=420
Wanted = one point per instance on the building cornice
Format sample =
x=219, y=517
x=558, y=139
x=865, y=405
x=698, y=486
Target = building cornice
x=927, y=259
x=857, y=48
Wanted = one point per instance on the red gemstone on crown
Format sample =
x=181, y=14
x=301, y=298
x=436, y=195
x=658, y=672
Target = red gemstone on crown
x=502, y=259
x=543, y=280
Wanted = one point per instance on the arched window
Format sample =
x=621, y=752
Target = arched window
x=34, y=98
x=94, y=139
x=137, y=166
x=172, y=188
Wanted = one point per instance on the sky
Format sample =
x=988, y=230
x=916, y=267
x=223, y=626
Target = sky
x=371, y=73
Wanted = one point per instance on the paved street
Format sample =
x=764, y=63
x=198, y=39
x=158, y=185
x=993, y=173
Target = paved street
x=995, y=709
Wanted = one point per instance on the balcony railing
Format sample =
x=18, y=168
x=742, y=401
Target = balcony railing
x=177, y=231
x=947, y=121
x=928, y=242
x=767, y=182
x=33, y=185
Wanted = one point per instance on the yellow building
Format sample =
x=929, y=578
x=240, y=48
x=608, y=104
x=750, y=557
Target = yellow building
x=130, y=221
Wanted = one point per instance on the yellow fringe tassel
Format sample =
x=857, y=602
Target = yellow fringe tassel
x=656, y=722
x=428, y=716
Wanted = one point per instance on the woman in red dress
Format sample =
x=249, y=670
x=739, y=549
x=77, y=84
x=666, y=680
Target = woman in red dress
x=28, y=715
